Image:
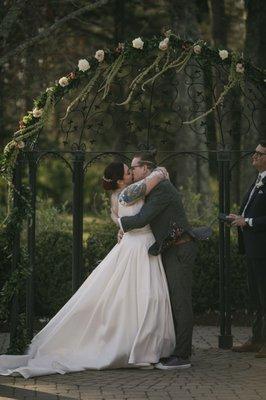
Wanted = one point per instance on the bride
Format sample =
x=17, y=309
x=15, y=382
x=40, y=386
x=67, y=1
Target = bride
x=121, y=316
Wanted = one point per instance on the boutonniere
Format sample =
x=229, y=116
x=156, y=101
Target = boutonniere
x=259, y=184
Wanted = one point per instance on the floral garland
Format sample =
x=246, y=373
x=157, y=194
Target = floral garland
x=170, y=52
x=16, y=282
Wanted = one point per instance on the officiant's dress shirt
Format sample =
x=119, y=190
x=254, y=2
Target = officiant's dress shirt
x=260, y=177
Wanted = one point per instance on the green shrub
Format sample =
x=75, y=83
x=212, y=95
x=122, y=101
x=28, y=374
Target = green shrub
x=53, y=271
x=102, y=238
x=206, y=277
x=5, y=263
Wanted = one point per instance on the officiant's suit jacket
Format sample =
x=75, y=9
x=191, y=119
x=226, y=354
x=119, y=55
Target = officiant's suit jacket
x=252, y=240
x=162, y=207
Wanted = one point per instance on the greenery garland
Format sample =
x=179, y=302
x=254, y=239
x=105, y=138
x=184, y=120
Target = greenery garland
x=16, y=282
x=167, y=52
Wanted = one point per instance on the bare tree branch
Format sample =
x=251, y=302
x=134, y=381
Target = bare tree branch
x=44, y=34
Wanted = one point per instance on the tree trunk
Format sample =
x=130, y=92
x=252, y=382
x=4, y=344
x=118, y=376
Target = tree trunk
x=184, y=22
x=119, y=37
x=219, y=39
x=255, y=49
x=218, y=22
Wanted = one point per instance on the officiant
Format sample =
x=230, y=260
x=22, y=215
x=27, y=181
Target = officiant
x=251, y=224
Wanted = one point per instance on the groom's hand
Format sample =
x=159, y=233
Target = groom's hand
x=120, y=235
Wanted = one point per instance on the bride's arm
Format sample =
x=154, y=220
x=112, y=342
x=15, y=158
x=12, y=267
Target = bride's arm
x=114, y=209
x=139, y=190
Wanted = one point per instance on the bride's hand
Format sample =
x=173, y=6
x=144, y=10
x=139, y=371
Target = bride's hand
x=120, y=235
x=164, y=172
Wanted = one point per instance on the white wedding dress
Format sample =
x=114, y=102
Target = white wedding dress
x=120, y=317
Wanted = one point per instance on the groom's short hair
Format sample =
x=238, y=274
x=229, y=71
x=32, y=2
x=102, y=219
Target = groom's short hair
x=147, y=158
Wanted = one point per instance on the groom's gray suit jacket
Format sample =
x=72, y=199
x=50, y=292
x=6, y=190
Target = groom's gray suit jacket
x=163, y=206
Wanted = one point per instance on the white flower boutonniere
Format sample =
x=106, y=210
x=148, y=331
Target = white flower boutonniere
x=259, y=184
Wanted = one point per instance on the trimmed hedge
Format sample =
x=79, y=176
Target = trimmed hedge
x=53, y=271
x=5, y=260
x=206, y=277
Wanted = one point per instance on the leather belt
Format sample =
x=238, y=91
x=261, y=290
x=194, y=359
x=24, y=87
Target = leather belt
x=185, y=238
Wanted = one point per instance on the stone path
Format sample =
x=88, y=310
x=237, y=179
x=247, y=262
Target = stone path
x=215, y=375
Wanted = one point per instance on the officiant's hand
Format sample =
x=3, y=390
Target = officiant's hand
x=238, y=220
x=120, y=235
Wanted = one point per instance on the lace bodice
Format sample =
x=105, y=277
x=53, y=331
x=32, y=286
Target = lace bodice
x=119, y=210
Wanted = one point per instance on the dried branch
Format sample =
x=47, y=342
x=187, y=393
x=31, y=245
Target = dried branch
x=44, y=34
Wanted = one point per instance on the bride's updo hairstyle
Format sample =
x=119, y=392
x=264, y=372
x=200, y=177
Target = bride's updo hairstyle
x=112, y=173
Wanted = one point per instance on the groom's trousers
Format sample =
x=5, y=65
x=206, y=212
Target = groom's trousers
x=178, y=263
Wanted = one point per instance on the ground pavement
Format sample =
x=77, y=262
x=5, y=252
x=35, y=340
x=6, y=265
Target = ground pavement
x=215, y=375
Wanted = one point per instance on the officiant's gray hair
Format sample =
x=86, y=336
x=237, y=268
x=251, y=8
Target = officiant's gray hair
x=147, y=158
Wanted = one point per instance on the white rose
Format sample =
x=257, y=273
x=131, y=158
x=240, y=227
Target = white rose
x=83, y=65
x=63, y=81
x=20, y=144
x=163, y=45
x=240, y=68
x=223, y=54
x=37, y=112
x=197, y=49
x=137, y=43
x=99, y=55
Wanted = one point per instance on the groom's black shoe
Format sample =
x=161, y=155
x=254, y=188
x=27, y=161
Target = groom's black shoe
x=173, y=362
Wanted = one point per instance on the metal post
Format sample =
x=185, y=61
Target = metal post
x=14, y=311
x=225, y=337
x=77, y=253
x=227, y=276
x=31, y=246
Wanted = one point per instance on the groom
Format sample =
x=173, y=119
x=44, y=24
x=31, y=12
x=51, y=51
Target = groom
x=162, y=207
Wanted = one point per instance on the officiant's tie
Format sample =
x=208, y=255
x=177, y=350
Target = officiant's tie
x=259, y=179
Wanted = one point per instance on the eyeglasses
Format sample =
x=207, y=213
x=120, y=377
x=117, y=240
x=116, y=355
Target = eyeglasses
x=135, y=166
x=144, y=162
x=258, y=154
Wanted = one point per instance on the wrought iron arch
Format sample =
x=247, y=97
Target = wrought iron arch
x=156, y=116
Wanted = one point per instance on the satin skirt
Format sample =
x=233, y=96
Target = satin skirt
x=120, y=317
